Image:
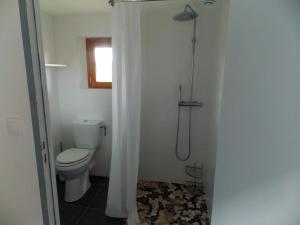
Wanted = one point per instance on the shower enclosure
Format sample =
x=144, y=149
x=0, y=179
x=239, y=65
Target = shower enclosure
x=169, y=60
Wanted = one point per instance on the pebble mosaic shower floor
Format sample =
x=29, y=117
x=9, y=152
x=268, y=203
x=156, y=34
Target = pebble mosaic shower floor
x=170, y=204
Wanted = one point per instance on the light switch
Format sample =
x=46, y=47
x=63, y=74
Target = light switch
x=15, y=125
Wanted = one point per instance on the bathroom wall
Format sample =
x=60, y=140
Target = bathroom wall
x=75, y=99
x=19, y=189
x=167, y=58
x=52, y=80
x=221, y=19
x=166, y=63
x=258, y=170
x=48, y=37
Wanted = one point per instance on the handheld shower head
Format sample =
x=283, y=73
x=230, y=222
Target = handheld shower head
x=188, y=14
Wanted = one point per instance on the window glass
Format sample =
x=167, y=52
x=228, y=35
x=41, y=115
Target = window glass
x=103, y=58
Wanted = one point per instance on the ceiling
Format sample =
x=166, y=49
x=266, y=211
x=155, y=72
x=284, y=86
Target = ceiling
x=69, y=7
x=63, y=7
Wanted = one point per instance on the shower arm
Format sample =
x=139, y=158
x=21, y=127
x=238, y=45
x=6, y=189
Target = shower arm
x=187, y=6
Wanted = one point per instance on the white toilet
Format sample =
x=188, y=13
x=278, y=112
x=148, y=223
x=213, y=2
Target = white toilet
x=74, y=164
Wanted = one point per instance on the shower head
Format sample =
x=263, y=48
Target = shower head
x=188, y=14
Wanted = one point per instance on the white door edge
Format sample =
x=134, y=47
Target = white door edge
x=32, y=29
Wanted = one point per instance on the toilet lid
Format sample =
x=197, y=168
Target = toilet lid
x=72, y=155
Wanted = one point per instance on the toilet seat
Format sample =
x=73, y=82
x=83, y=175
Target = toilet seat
x=72, y=157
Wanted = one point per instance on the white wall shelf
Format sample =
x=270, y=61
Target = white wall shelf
x=55, y=65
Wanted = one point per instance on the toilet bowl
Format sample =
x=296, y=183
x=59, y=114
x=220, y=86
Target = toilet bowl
x=74, y=164
x=74, y=168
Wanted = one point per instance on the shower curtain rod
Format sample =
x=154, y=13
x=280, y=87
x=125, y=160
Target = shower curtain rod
x=112, y=2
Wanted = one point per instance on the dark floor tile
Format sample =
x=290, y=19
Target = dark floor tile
x=84, y=200
x=97, y=180
x=70, y=215
x=96, y=217
x=61, y=195
x=60, y=185
x=94, y=199
x=99, y=201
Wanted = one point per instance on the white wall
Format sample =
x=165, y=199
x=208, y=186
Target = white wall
x=221, y=19
x=258, y=169
x=19, y=189
x=75, y=100
x=166, y=64
x=52, y=80
x=167, y=58
x=48, y=37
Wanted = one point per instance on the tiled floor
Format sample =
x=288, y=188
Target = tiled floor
x=158, y=204
x=90, y=209
x=170, y=204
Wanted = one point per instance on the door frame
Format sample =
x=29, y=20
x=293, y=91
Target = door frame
x=38, y=95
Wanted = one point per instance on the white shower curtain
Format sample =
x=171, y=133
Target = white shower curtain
x=126, y=106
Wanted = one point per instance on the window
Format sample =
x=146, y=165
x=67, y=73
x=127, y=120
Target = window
x=99, y=62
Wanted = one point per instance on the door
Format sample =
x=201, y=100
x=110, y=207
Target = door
x=35, y=66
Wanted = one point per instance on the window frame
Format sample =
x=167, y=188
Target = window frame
x=91, y=44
